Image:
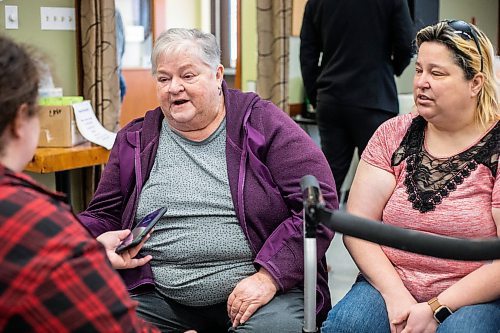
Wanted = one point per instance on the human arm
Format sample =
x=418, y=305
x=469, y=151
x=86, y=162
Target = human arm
x=281, y=154
x=290, y=155
x=63, y=279
x=479, y=286
x=402, y=36
x=370, y=191
x=96, y=293
x=482, y=284
x=249, y=295
x=111, y=239
x=105, y=210
x=310, y=50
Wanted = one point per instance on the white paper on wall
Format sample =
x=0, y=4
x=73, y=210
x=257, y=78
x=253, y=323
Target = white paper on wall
x=90, y=128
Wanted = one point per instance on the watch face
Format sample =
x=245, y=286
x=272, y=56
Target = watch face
x=442, y=313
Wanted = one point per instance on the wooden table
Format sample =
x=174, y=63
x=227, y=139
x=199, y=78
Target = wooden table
x=48, y=160
x=62, y=160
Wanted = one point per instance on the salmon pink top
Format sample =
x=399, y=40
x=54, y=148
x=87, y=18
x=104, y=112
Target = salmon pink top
x=451, y=196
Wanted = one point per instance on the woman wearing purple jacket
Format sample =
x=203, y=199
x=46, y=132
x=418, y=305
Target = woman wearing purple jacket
x=228, y=253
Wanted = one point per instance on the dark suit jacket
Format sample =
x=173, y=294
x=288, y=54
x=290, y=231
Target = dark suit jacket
x=364, y=44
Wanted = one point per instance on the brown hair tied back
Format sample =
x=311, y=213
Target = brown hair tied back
x=19, y=79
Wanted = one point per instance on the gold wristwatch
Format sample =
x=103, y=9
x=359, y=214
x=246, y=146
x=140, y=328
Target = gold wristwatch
x=441, y=312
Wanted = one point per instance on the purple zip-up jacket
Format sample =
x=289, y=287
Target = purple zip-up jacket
x=267, y=154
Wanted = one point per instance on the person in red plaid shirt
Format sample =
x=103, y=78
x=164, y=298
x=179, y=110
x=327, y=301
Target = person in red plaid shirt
x=54, y=275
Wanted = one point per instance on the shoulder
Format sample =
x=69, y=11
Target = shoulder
x=312, y=4
x=138, y=123
x=248, y=107
x=386, y=140
x=396, y=127
x=149, y=125
x=48, y=225
x=21, y=193
x=37, y=209
x=267, y=114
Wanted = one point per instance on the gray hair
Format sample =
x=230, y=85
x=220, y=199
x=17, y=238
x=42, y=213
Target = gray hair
x=177, y=39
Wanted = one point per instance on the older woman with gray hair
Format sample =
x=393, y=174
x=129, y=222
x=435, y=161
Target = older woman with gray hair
x=228, y=253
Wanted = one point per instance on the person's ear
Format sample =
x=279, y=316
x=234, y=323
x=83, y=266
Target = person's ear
x=16, y=127
x=219, y=75
x=477, y=84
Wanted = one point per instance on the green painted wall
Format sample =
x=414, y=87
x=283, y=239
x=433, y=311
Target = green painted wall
x=59, y=47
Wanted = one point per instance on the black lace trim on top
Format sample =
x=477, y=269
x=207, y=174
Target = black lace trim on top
x=429, y=180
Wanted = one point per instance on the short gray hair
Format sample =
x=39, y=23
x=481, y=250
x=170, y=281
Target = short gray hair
x=177, y=39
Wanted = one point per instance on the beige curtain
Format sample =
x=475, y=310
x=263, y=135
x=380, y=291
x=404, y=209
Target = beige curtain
x=274, y=26
x=99, y=70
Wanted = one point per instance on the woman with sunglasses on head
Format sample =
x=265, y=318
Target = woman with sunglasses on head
x=435, y=171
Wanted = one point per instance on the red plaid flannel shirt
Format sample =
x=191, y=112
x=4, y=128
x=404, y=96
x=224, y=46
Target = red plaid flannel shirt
x=54, y=276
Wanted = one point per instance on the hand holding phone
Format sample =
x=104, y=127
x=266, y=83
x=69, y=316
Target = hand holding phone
x=141, y=230
x=126, y=260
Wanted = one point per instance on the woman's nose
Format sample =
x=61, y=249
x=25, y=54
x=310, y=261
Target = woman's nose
x=421, y=81
x=175, y=86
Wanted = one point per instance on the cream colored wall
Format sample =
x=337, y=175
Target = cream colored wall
x=188, y=14
x=485, y=13
x=248, y=43
x=296, y=93
x=183, y=14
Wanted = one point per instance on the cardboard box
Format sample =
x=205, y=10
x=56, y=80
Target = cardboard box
x=58, y=127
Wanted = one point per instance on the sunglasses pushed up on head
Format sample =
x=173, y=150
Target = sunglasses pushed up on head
x=465, y=30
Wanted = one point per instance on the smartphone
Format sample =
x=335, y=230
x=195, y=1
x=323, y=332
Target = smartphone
x=141, y=230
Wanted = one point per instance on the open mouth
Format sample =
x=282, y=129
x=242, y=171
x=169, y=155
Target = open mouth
x=423, y=98
x=180, y=102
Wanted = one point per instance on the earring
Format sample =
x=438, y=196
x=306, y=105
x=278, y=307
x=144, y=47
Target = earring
x=220, y=91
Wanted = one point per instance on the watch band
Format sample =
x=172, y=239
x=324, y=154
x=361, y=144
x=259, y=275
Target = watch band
x=441, y=312
x=434, y=304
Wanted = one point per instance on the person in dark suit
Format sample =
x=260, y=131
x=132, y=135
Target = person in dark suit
x=349, y=54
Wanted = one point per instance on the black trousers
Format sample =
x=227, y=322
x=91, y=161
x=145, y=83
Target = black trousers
x=284, y=313
x=342, y=128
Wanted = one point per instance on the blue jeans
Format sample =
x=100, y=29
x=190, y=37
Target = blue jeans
x=363, y=310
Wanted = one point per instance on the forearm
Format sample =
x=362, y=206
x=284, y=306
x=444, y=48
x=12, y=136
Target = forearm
x=376, y=267
x=480, y=286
